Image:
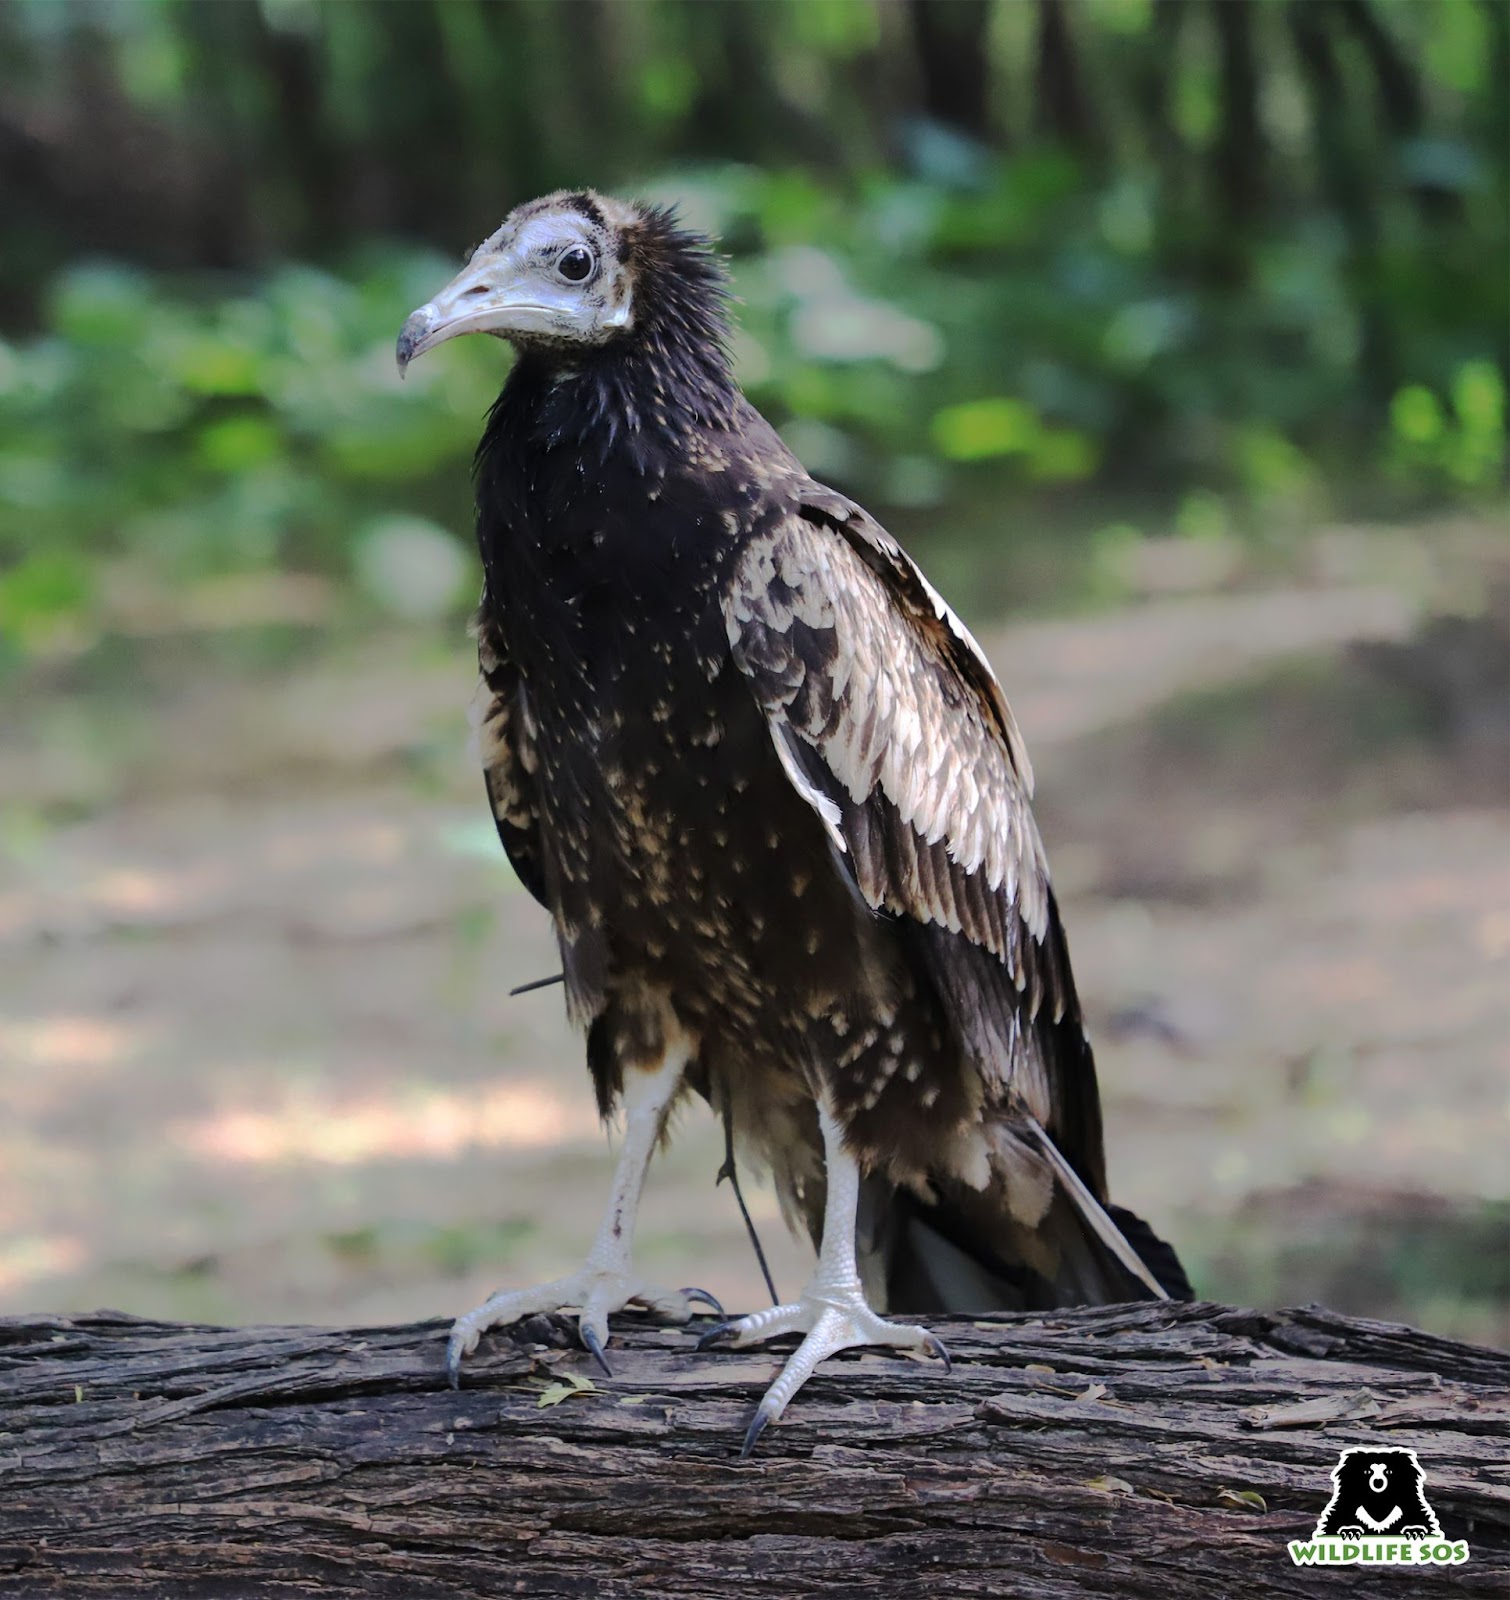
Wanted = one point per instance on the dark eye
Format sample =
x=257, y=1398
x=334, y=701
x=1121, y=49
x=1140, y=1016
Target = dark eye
x=575, y=264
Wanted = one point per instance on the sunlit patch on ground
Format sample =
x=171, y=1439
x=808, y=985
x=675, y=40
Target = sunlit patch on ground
x=1494, y=935
x=432, y=1125
x=69, y=1042
x=28, y=1260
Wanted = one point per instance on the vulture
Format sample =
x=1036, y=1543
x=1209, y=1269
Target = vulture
x=772, y=795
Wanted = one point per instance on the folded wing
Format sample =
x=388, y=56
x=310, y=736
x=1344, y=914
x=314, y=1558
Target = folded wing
x=890, y=722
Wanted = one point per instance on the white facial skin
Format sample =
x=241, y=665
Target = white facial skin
x=547, y=276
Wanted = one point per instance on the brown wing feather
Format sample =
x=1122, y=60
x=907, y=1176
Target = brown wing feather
x=898, y=707
x=506, y=747
x=900, y=736
x=531, y=830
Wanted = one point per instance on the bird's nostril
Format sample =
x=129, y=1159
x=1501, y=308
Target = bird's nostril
x=479, y=288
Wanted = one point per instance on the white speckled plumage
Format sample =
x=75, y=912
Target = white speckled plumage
x=769, y=789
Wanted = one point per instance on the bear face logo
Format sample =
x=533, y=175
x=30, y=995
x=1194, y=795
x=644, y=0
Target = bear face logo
x=1377, y=1493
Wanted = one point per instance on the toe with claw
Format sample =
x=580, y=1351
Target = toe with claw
x=833, y=1313
x=829, y=1323
x=597, y=1294
x=703, y=1298
x=606, y=1282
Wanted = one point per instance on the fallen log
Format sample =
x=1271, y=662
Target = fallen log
x=1127, y=1451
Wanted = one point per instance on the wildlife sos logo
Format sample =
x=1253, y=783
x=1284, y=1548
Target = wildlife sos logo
x=1378, y=1516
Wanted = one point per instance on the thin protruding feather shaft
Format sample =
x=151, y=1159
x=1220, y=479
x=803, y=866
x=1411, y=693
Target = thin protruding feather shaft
x=1093, y=1211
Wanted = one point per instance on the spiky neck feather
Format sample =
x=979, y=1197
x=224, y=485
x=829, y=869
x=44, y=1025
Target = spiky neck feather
x=645, y=394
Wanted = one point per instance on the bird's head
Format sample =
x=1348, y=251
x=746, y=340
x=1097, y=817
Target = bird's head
x=572, y=273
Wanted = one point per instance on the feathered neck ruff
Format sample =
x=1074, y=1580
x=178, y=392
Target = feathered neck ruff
x=650, y=392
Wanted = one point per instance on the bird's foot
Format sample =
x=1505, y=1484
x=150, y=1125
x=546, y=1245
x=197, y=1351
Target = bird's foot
x=595, y=1291
x=831, y=1321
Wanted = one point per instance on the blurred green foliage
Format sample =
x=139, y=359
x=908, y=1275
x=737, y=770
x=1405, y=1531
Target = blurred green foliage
x=1225, y=260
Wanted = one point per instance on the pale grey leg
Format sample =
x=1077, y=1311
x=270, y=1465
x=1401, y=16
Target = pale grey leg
x=604, y=1283
x=832, y=1312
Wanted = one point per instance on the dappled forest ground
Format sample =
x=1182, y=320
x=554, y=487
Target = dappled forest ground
x=257, y=940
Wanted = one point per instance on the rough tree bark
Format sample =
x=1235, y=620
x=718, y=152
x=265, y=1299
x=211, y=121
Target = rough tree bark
x=1164, y=1450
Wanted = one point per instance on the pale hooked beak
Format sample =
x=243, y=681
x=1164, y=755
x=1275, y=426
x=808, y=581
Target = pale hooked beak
x=489, y=295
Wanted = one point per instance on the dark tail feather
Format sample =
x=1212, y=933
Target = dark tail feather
x=918, y=1257
x=1157, y=1254
x=1093, y=1215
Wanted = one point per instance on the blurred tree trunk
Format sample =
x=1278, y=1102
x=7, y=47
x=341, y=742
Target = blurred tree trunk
x=1497, y=25
x=738, y=109
x=25, y=182
x=1061, y=110
x=954, y=63
x=1346, y=183
x=214, y=40
x=417, y=120
x=1401, y=103
x=303, y=176
x=1151, y=74
x=1238, y=159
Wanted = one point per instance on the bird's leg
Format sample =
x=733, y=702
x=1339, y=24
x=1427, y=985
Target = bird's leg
x=604, y=1283
x=832, y=1313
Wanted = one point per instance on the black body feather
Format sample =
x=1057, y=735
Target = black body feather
x=774, y=800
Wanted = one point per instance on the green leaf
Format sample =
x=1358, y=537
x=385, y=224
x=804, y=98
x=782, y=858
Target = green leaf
x=101, y=304
x=1478, y=397
x=43, y=587
x=976, y=430
x=1062, y=456
x=557, y=1392
x=1416, y=416
x=208, y=365
x=235, y=443
x=667, y=86
x=1203, y=515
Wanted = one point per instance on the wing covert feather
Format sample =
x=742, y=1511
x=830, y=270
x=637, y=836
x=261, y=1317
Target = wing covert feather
x=882, y=696
x=891, y=724
x=505, y=744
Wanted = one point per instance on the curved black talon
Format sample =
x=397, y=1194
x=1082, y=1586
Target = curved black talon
x=719, y=1330
x=757, y=1427
x=595, y=1348
x=595, y=1345
x=935, y=1348
x=704, y=1298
